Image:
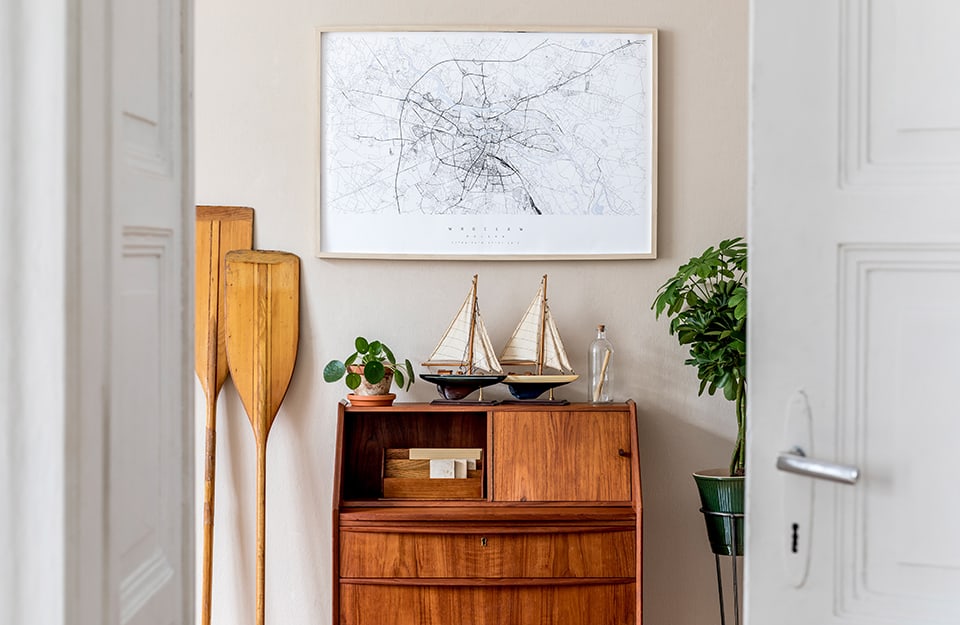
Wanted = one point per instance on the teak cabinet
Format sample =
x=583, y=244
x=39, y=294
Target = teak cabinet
x=554, y=538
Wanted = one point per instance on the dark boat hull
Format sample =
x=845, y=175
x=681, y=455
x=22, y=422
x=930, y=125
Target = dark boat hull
x=533, y=386
x=455, y=387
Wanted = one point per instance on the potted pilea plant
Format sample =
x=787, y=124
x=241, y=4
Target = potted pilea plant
x=369, y=372
x=706, y=301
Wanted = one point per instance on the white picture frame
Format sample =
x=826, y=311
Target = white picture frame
x=480, y=143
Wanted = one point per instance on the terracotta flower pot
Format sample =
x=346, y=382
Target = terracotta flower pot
x=380, y=388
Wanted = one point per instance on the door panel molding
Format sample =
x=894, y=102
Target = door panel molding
x=896, y=556
x=145, y=97
x=143, y=584
x=900, y=119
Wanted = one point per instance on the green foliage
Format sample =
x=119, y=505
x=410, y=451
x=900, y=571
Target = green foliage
x=706, y=302
x=376, y=359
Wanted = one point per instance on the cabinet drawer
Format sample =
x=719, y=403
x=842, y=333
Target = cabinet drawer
x=561, y=456
x=492, y=554
x=596, y=604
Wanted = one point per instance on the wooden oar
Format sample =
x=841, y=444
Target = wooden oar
x=220, y=229
x=263, y=329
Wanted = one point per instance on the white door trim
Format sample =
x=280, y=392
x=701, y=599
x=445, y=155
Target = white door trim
x=55, y=199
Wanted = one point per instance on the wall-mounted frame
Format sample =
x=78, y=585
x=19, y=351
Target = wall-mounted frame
x=477, y=143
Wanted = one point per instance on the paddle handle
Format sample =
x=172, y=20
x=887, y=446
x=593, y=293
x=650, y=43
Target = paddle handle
x=210, y=469
x=261, y=526
x=210, y=386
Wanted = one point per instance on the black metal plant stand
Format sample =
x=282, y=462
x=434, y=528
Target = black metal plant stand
x=735, y=569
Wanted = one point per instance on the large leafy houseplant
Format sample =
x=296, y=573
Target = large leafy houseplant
x=706, y=302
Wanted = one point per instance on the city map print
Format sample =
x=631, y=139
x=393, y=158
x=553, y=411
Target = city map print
x=486, y=124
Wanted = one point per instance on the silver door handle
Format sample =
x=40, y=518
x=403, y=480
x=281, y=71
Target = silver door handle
x=796, y=461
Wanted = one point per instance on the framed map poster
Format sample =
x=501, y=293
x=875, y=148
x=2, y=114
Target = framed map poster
x=487, y=144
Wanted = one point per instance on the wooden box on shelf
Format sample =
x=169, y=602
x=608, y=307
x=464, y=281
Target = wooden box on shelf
x=409, y=478
x=549, y=532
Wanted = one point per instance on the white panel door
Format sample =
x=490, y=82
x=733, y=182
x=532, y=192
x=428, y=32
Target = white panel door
x=148, y=496
x=854, y=316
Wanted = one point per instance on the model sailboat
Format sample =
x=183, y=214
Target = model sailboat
x=536, y=343
x=465, y=346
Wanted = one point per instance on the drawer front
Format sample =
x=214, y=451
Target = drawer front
x=368, y=554
x=599, y=604
x=561, y=456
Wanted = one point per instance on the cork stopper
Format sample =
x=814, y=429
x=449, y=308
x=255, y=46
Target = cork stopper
x=601, y=327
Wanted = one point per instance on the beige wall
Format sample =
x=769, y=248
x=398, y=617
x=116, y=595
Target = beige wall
x=256, y=134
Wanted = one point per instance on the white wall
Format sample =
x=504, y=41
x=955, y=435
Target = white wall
x=256, y=131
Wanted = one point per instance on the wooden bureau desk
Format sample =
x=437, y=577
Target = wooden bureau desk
x=553, y=537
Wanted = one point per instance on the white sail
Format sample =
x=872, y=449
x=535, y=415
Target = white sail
x=454, y=346
x=524, y=345
x=554, y=355
x=523, y=348
x=484, y=356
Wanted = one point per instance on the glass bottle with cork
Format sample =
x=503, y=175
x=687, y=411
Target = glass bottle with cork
x=600, y=369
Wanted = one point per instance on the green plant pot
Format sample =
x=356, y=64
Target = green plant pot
x=721, y=495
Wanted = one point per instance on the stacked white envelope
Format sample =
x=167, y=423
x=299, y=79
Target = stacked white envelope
x=447, y=462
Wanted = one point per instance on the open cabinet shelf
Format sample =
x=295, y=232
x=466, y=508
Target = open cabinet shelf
x=368, y=432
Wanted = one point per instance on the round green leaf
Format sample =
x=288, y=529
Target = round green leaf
x=361, y=344
x=389, y=354
x=373, y=372
x=353, y=380
x=334, y=371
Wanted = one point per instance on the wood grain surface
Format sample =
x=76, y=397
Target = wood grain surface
x=263, y=332
x=219, y=229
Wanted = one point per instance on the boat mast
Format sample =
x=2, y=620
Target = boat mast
x=543, y=320
x=473, y=325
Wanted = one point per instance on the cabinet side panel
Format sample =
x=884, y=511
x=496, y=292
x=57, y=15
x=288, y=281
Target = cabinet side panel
x=637, y=503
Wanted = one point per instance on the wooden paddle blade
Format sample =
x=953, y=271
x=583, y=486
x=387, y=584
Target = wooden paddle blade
x=263, y=330
x=219, y=230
